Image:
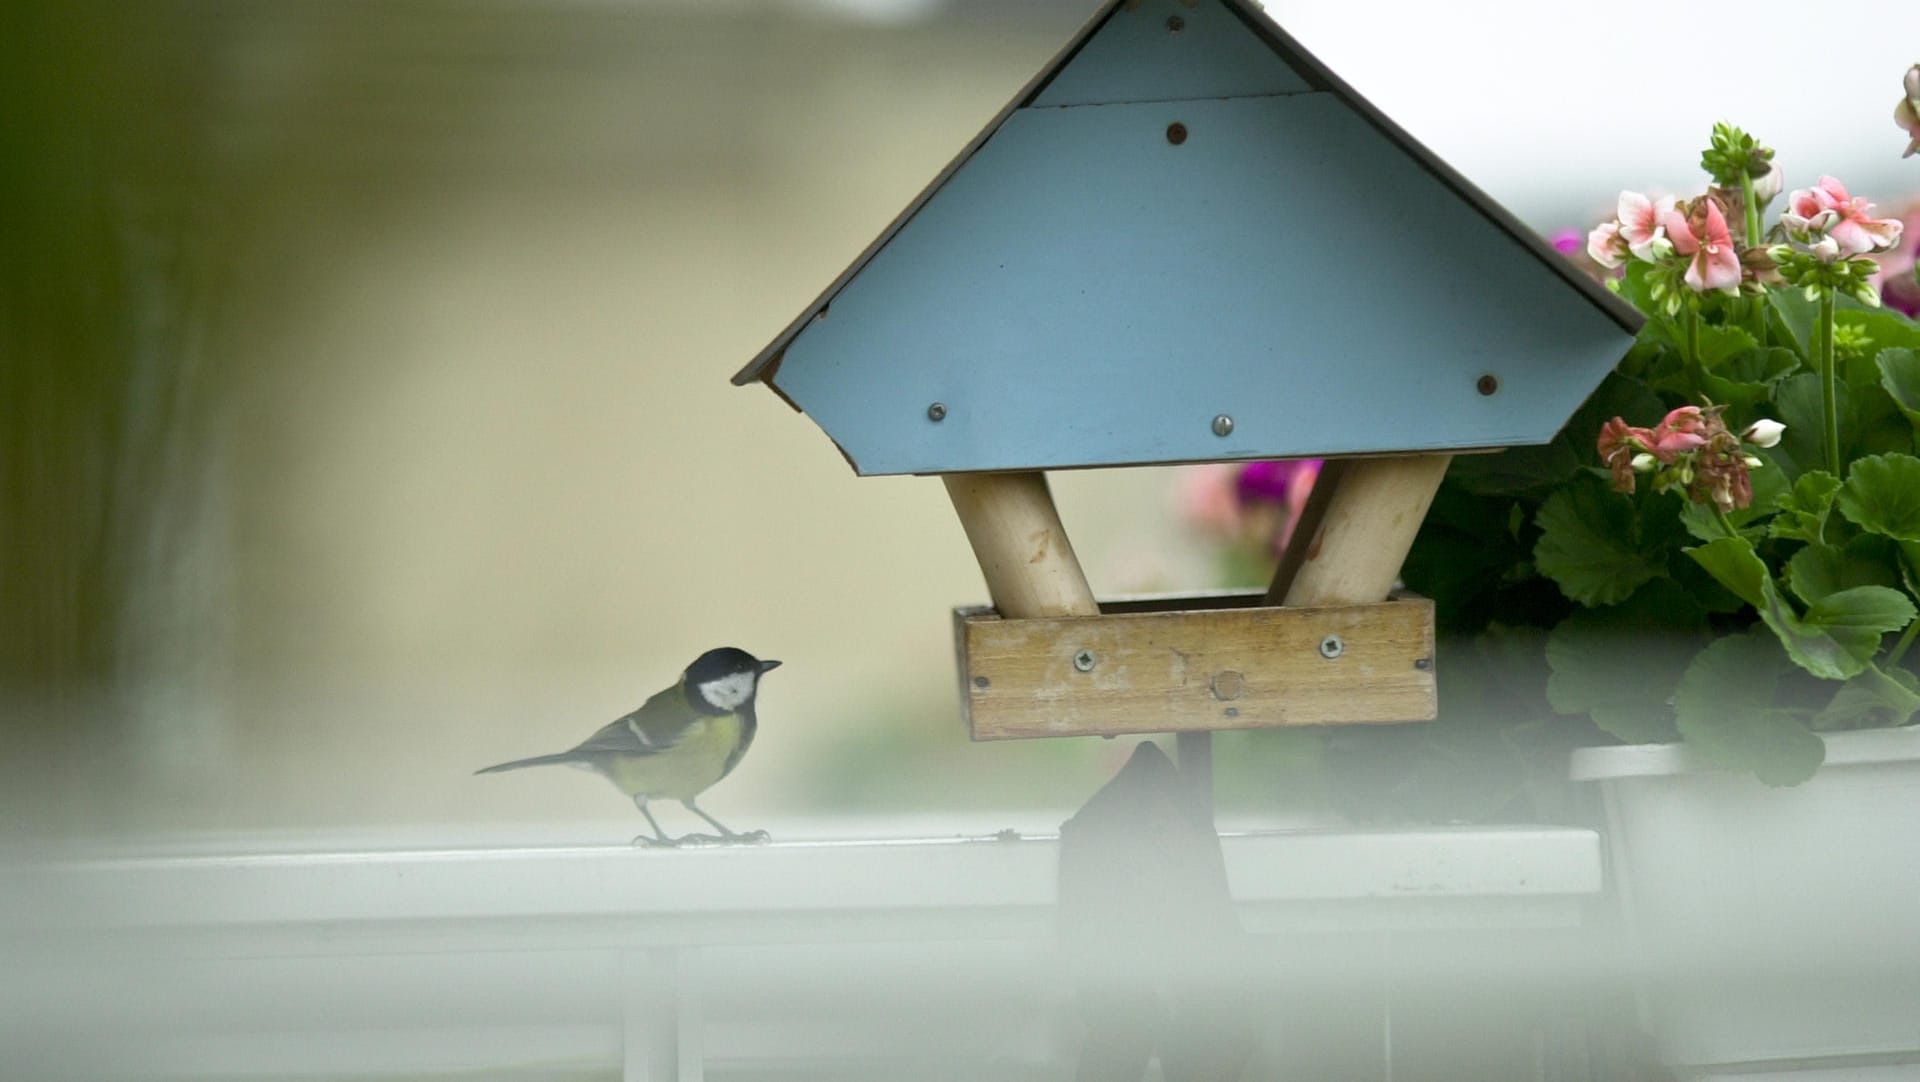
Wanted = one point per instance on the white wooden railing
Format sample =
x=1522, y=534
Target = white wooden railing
x=828, y=959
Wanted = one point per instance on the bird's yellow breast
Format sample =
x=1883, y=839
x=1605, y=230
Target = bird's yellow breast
x=685, y=770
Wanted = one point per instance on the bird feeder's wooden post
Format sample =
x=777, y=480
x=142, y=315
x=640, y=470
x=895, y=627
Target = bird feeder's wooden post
x=1022, y=548
x=1033, y=573
x=1368, y=510
x=1353, y=539
x=1347, y=549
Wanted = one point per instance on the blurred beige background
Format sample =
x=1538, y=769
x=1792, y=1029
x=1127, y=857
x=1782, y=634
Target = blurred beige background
x=442, y=464
x=366, y=404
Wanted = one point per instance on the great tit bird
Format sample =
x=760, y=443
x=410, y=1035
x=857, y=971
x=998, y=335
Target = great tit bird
x=679, y=743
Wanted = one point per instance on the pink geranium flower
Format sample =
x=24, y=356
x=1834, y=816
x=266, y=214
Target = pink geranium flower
x=1639, y=231
x=1618, y=443
x=1702, y=235
x=1898, y=286
x=1827, y=211
x=1643, y=225
x=1685, y=429
x=1604, y=245
x=1690, y=448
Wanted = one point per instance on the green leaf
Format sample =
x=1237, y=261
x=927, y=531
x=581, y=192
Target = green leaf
x=1717, y=343
x=1797, y=315
x=1887, y=329
x=1748, y=378
x=1856, y=618
x=1725, y=707
x=1874, y=698
x=1875, y=609
x=1765, y=367
x=1733, y=563
x=1620, y=664
x=1769, y=484
x=1476, y=566
x=1516, y=470
x=1700, y=522
x=1910, y=566
x=1814, y=572
x=1819, y=570
x=1900, y=375
x=1796, y=401
x=1804, y=508
x=1830, y=653
x=1589, y=544
x=1738, y=373
x=1769, y=481
x=1705, y=589
x=1882, y=494
x=1634, y=287
x=1653, y=354
x=1873, y=423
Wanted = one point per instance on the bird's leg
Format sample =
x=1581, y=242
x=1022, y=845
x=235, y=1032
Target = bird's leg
x=659, y=839
x=752, y=837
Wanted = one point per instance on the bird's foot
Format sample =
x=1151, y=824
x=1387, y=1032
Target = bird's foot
x=752, y=837
x=649, y=841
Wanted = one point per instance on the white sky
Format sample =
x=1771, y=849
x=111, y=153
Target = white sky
x=1540, y=101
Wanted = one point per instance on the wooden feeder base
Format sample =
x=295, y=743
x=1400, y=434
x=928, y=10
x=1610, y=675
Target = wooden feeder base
x=1190, y=664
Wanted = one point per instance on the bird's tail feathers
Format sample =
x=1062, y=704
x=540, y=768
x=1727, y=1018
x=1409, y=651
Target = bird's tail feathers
x=538, y=760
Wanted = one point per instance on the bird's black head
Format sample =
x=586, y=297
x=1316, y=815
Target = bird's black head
x=724, y=680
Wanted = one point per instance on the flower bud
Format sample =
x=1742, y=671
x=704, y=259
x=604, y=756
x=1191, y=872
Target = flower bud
x=1605, y=246
x=1645, y=463
x=1763, y=433
x=1753, y=462
x=1768, y=184
x=1907, y=113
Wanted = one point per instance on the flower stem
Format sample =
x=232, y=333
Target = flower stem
x=1727, y=525
x=1900, y=648
x=1752, y=207
x=1693, y=333
x=1829, y=404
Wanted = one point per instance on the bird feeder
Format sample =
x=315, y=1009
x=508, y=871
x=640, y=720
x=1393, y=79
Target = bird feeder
x=1186, y=240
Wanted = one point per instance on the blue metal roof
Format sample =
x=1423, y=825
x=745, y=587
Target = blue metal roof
x=1185, y=217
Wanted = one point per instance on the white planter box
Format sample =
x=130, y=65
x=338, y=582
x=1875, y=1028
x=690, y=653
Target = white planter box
x=1773, y=929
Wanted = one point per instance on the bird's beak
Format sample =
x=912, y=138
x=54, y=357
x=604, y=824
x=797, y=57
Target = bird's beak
x=768, y=666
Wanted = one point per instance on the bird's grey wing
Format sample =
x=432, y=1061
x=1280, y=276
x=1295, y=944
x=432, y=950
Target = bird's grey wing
x=653, y=728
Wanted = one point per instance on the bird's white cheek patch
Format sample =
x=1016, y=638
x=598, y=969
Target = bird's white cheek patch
x=728, y=692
